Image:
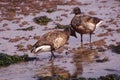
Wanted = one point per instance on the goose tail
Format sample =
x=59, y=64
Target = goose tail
x=99, y=23
x=41, y=49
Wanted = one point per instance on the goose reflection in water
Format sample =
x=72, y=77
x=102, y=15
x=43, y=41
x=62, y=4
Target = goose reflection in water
x=53, y=71
x=82, y=57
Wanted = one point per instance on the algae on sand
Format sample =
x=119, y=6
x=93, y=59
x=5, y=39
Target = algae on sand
x=6, y=59
x=27, y=29
x=107, y=77
x=42, y=20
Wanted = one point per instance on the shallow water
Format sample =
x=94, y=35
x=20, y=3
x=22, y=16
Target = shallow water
x=84, y=65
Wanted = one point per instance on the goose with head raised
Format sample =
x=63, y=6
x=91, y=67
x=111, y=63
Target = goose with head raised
x=84, y=24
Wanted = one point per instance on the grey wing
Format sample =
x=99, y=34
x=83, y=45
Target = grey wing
x=87, y=22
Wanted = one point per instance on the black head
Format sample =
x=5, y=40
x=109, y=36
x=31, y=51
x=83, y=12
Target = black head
x=76, y=10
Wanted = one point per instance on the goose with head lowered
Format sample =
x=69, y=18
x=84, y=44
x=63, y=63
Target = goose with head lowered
x=52, y=40
x=84, y=24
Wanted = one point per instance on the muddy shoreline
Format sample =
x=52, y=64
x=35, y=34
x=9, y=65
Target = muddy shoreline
x=19, y=31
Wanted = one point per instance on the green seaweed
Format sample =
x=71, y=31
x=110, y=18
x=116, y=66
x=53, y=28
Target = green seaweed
x=6, y=59
x=59, y=26
x=110, y=77
x=27, y=29
x=82, y=78
x=50, y=10
x=42, y=20
x=52, y=78
x=107, y=77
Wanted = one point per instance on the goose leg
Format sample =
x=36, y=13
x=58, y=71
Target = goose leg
x=81, y=40
x=90, y=40
x=52, y=55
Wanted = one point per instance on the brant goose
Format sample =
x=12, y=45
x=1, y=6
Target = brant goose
x=84, y=24
x=52, y=40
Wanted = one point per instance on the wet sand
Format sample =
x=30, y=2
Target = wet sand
x=79, y=61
